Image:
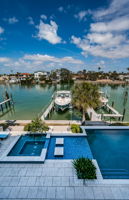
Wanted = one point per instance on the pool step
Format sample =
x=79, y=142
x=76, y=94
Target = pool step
x=115, y=173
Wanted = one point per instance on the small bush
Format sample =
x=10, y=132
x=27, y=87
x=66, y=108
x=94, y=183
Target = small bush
x=36, y=126
x=76, y=128
x=85, y=168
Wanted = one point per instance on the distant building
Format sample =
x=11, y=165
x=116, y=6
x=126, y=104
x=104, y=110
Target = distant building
x=124, y=77
x=39, y=74
x=24, y=76
x=13, y=79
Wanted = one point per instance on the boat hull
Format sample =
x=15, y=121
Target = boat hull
x=61, y=107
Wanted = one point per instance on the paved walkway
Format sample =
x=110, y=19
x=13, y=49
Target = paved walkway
x=60, y=129
x=52, y=180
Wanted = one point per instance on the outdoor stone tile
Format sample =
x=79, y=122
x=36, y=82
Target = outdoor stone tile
x=31, y=181
x=68, y=172
x=30, y=172
x=70, y=194
x=39, y=181
x=48, y=181
x=22, y=172
x=71, y=181
x=56, y=181
x=42, y=192
x=32, y=193
x=4, y=193
x=38, y=172
x=107, y=192
x=65, y=181
x=5, y=181
x=44, y=172
x=78, y=182
x=125, y=192
x=117, y=193
x=14, y=181
x=88, y=192
x=14, y=192
x=79, y=193
x=60, y=172
x=6, y=172
x=51, y=192
x=98, y=193
x=23, y=181
x=60, y=193
x=23, y=193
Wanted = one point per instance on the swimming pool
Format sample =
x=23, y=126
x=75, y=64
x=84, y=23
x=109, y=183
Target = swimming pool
x=111, y=150
x=28, y=145
x=74, y=147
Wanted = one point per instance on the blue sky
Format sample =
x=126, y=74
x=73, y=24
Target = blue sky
x=49, y=34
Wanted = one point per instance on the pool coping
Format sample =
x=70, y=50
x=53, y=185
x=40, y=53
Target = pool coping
x=24, y=159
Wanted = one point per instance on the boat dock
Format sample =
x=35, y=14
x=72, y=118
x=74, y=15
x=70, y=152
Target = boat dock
x=5, y=104
x=48, y=110
x=113, y=113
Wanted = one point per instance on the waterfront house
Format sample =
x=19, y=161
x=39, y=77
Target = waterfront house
x=39, y=74
x=124, y=77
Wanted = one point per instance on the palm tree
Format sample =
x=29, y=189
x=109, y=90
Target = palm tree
x=84, y=96
x=99, y=68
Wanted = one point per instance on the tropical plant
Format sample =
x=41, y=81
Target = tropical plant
x=36, y=126
x=85, y=168
x=75, y=128
x=84, y=96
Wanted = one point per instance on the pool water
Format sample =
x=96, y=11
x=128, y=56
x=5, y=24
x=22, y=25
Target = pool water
x=74, y=147
x=28, y=145
x=111, y=150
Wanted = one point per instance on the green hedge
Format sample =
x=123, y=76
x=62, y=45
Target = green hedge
x=76, y=128
x=36, y=126
x=85, y=168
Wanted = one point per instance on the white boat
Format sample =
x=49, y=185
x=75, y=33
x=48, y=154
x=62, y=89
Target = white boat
x=62, y=100
x=103, y=99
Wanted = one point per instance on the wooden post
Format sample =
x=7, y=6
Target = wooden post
x=6, y=105
x=113, y=104
x=123, y=114
x=1, y=108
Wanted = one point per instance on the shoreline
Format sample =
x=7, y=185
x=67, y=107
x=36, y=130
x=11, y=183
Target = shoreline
x=108, y=81
x=101, y=81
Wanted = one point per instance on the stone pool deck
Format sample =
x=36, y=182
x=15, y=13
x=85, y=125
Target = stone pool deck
x=55, y=179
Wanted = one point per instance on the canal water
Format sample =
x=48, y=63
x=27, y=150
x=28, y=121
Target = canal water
x=30, y=101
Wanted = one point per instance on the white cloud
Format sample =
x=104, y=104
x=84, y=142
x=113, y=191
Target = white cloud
x=116, y=8
x=44, y=17
x=106, y=39
x=117, y=47
x=49, y=32
x=47, y=58
x=119, y=24
x=30, y=20
x=108, y=35
x=11, y=20
x=1, y=30
x=4, y=59
x=81, y=15
x=32, y=62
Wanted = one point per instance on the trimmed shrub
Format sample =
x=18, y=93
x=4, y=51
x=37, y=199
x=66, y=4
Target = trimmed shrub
x=76, y=128
x=85, y=168
x=36, y=126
